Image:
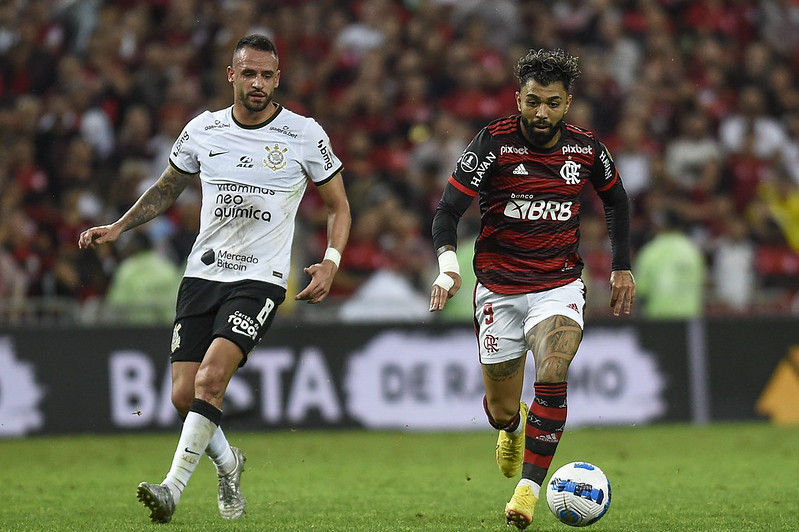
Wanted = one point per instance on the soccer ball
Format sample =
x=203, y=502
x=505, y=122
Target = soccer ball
x=578, y=494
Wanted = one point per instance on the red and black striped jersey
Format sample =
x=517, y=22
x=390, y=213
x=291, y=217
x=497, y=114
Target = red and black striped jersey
x=529, y=203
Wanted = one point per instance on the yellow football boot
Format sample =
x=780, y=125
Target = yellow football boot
x=519, y=511
x=510, y=448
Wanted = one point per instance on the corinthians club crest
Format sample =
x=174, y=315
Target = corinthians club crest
x=275, y=158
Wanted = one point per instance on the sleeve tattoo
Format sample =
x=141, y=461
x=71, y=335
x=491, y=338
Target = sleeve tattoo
x=159, y=197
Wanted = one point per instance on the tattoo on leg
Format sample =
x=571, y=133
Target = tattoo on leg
x=504, y=370
x=554, y=368
x=554, y=342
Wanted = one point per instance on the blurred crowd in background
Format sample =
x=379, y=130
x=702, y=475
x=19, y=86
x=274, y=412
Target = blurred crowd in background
x=697, y=100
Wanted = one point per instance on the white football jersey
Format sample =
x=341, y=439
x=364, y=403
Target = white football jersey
x=253, y=178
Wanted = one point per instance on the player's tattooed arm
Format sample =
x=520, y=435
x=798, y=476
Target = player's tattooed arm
x=554, y=342
x=153, y=202
x=156, y=199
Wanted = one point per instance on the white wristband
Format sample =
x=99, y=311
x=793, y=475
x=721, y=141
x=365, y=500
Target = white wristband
x=333, y=255
x=444, y=281
x=447, y=262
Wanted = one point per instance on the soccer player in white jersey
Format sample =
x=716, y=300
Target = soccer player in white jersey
x=253, y=160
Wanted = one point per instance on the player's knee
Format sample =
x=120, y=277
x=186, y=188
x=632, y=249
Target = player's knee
x=181, y=400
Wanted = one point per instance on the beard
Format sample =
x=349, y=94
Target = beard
x=540, y=137
x=256, y=106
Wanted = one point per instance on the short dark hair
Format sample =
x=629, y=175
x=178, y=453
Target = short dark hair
x=258, y=42
x=546, y=66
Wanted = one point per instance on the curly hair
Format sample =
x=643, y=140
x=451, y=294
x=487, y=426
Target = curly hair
x=546, y=66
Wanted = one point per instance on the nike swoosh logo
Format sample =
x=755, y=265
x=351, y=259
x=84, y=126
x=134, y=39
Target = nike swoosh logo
x=212, y=154
x=191, y=452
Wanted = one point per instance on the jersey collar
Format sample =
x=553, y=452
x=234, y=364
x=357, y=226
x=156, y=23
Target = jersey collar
x=262, y=124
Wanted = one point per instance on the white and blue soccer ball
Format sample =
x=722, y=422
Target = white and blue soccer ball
x=578, y=494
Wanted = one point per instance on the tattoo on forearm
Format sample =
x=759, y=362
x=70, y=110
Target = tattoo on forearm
x=157, y=198
x=504, y=370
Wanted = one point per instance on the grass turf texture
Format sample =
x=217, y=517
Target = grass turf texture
x=721, y=477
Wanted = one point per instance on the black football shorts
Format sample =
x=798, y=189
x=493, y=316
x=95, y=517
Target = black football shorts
x=241, y=312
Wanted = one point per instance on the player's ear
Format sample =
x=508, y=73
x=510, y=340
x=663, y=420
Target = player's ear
x=230, y=74
x=519, y=101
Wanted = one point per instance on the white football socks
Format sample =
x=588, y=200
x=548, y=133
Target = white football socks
x=220, y=452
x=533, y=486
x=519, y=428
x=194, y=438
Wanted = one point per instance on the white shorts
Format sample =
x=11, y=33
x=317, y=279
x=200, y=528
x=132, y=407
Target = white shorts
x=504, y=321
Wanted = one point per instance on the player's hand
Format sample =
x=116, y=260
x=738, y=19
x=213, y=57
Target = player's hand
x=322, y=274
x=439, y=296
x=622, y=291
x=98, y=235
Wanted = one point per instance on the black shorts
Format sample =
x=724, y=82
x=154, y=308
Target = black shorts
x=240, y=311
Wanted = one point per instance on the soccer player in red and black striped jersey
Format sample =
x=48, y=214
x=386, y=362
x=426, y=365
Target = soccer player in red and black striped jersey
x=528, y=171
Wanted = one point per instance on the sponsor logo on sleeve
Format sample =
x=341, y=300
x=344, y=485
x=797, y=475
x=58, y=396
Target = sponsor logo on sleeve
x=179, y=144
x=471, y=164
x=326, y=152
x=468, y=162
x=606, y=164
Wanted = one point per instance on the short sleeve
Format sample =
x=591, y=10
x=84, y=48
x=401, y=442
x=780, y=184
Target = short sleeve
x=183, y=156
x=319, y=161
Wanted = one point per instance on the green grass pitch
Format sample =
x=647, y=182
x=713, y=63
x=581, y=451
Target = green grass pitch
x=721, y=477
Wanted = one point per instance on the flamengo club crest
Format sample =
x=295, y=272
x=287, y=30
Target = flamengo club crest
x=570, y=172
x=275, y=160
